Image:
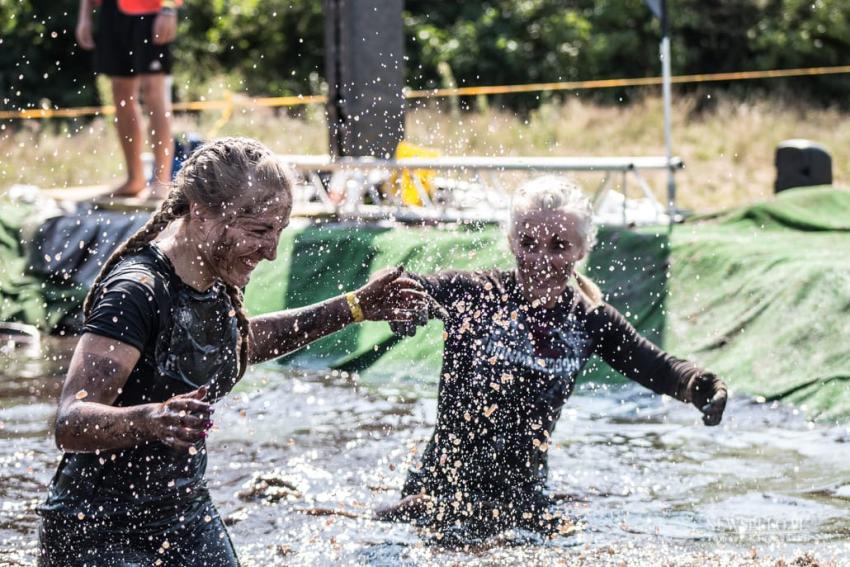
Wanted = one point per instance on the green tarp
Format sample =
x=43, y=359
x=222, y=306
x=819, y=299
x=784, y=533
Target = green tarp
x=20, y=295
x=23, y=297
x=761, y=295
x=320, y=261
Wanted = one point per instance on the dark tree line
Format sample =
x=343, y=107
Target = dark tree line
x=274, y=47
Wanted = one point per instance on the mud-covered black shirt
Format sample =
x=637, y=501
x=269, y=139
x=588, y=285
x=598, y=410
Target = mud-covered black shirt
x=186, y=338
x=508, y=368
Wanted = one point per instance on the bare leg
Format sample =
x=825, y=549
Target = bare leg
x=125, y=93
x=156, y=93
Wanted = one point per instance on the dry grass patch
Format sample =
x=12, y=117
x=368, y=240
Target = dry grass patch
x=728, y=149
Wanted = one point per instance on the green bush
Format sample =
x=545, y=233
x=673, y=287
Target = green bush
x=40, y=63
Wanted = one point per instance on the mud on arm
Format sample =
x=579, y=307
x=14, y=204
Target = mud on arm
x=280, y=333
x=87, y=421
x=387, y=297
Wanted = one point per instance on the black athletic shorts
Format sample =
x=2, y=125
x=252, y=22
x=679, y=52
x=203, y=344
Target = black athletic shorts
x=124, y=46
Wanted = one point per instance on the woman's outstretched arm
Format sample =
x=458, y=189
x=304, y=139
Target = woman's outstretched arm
x=620, y=345
x=387, y=297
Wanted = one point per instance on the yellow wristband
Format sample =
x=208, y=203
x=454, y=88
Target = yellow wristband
x=354, y=306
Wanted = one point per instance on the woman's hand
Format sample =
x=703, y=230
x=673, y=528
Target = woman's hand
x=181, y=421
x=708, y=393
x=409, y=328
x=85, y=37
x=165, y=27
x=389, y=296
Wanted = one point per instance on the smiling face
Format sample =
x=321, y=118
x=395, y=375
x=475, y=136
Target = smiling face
x=546, y=244
x=232, y=244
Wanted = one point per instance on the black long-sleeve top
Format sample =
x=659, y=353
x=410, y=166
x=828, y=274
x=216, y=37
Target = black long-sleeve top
x=508, y=368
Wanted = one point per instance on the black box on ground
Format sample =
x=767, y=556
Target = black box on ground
x=801, y=163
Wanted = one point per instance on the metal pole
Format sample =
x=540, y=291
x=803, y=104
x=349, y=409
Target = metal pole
x=667, y=94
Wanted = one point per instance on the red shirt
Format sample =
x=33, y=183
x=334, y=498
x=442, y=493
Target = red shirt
x=139, y=7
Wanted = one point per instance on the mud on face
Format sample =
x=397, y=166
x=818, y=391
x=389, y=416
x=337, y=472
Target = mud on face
x=233, y=243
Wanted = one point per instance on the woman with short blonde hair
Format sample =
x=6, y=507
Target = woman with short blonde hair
x=515, y=341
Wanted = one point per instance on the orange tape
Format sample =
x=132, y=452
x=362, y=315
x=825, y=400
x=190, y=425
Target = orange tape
x=634, y=82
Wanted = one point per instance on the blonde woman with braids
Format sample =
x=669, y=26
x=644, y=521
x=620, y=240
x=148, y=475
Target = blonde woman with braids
x=515, y=342
x=165, y=337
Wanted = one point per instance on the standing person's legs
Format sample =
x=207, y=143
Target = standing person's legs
x=125, y=94
x=114, y=58
x=156, y=94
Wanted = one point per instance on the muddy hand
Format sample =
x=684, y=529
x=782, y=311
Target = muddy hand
x=708, y=394
x=409, y=328
x=390, y=296
x=182, y=421
x=712, y=412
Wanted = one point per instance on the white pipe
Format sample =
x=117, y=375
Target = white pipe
x=598, y=164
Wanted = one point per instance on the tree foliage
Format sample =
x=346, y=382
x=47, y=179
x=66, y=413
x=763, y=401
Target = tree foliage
x=40, y=62
x=274, y=47
x=271, y=47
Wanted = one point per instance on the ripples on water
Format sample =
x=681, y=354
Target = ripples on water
x=299, y=459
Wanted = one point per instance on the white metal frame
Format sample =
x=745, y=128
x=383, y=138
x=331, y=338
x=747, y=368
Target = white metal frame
x=491, y=197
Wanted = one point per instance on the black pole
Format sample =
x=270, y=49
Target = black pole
x=364, y=64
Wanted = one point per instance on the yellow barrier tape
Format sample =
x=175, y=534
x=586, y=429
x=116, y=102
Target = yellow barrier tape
x=57, y=112
x=225, y=116
x=299, y=100
x=634, y=82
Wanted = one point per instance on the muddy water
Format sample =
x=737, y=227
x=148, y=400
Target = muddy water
x=298, y=459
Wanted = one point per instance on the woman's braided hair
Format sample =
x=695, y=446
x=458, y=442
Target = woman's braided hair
x=221, y=175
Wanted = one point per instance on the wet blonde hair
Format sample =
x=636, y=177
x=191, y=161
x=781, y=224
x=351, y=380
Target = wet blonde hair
x=224, y=175
x=555, y=193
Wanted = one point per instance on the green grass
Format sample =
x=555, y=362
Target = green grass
x=728, y=149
